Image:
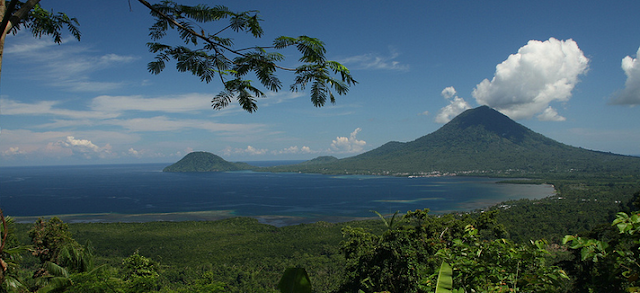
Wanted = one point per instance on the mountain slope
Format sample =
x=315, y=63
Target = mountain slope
x=480, y=140
x=204, y=162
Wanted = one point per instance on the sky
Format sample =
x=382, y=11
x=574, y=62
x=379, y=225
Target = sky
x=566, y=69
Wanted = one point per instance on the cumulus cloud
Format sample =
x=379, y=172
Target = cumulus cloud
x=13, y=151
x=550, y=114
x=348, y=144
x=86, y=148
x=294, y=150
x=456, y=106
x=249, y=150
x=527, y=82
x=631, y=93
x=134, y=152
x=83, y=145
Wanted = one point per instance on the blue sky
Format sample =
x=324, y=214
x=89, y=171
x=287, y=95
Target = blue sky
x=565, y=69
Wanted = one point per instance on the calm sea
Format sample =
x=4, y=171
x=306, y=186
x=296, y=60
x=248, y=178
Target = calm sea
x=144, y=193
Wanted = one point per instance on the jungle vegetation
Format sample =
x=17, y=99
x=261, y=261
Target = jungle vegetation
x=564, y=243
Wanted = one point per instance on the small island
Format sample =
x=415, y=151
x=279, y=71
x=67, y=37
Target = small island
x=205, y=162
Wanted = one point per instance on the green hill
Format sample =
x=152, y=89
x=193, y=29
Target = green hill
x=320, y=160
x=478, y=141
x=204, y=162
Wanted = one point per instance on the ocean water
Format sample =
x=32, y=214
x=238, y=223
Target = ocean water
x=144, y=193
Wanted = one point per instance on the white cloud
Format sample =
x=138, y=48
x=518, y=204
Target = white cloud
x=456, y=106
x=68, y=65
x=29, y=141
x=449, y=92
x=249, y=150
x=82, y=145
x=114, y=58
x=24, y=46
x=294, y=150
x=134, y=153
x=142, y=153
x=631, y=93
x=348, y=144
x=527, y=82
x=279, y=97
x=173, y=104
x=550, y=114
x=43, y=145
x=12, y=151
x=10, y=107
x=376, y=61
x=162, y=123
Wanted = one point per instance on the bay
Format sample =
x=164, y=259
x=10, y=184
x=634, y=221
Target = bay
x=138, y=193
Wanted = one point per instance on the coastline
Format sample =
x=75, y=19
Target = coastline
x=273, y=220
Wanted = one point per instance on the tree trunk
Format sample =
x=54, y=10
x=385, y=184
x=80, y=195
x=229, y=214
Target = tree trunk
x=9, y=20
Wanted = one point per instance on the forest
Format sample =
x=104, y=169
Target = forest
x=582, y=239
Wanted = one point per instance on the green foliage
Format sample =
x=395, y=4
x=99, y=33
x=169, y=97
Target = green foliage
x=38, y=20
x=140, y=273
x=49, y=238
x=295, y=280
x=579, y=205
x=619, y=258
x=445, y=279
x=409, y=258
x=397, y=259
x=138, y=266
x=208, y=55
x=100, y=280
x=10, y=254
x=237, y=254
x=501, y=266
x=59, y=255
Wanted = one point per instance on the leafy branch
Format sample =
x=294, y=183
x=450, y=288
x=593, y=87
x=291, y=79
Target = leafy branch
x=216, y=56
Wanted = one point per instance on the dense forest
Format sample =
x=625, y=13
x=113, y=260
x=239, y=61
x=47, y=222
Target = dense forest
x=563, y=243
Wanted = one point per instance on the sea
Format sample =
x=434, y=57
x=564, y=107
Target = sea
x=142, y=192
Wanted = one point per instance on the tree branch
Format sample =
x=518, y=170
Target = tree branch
x=7, y=14
x=201, y=36
x=21, y=14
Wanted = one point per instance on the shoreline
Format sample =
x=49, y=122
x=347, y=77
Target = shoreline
x=273, y=220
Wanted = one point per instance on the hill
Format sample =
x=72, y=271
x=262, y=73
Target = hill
x=204, y=162
x=478, y=141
